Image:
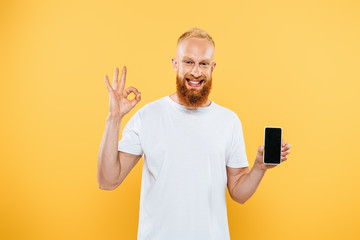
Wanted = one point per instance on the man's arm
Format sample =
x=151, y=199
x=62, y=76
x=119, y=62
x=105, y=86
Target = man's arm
x=242, y=184
x=113, y=166
x=109, y=167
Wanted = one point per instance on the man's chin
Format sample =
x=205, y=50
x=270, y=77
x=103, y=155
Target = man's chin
x=193, y=98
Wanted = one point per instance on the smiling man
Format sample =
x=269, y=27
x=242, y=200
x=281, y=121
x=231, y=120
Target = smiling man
x=193, y=149
x=194, y=66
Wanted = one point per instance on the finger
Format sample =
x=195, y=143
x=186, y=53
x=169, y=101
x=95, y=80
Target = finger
x=130, y=90
x=283, y=159
x=122, y=79
x=115, y=79
x=108, y=86
x=282, y=142
x=285, y=153
x=287, y=147
x=136, y=99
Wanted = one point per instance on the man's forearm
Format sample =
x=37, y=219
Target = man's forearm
x=247, y=184
x=108, y=162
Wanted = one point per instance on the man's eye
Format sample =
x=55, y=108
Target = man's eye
x=204, y=64
x=188, y=62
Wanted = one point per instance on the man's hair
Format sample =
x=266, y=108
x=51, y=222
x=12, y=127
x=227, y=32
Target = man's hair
x=197, y=33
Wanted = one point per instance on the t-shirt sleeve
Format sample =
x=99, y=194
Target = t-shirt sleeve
x=237, y=156
x=130, y=140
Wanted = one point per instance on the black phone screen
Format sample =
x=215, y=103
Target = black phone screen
x=272, y=150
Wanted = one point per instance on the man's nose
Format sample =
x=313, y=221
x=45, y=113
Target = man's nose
x=196, y=71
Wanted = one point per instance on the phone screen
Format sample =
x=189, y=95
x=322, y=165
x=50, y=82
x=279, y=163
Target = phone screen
x=272, y=150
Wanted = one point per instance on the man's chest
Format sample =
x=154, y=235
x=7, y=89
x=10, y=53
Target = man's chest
x=188, y=140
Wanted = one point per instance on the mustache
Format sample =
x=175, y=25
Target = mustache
x=189, y=76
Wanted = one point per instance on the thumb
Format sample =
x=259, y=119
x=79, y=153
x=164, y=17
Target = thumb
x=261, y=149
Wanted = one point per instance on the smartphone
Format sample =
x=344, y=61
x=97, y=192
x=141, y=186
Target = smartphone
x=272, y=145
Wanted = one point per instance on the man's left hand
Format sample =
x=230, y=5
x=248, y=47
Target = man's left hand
x=285, y=150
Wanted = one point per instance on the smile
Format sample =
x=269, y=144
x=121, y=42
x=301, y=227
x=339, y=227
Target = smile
x=194, y=83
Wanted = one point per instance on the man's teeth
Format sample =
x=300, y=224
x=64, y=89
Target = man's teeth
x=194, y=82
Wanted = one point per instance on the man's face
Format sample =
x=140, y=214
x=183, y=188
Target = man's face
x=194, y=67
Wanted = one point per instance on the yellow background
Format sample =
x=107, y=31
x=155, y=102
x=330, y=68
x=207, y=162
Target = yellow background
x=293, y=64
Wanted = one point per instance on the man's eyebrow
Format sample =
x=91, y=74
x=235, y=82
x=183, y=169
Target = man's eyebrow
x=205, y=60
x=188, y=58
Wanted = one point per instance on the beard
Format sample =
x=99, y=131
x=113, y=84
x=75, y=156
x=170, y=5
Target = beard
x=193, y=97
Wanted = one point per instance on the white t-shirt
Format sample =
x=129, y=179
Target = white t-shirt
x=184, y=178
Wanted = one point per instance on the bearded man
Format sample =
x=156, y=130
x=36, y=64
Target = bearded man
x=193, y=149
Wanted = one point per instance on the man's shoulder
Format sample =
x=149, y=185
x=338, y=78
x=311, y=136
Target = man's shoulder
x=226, y=112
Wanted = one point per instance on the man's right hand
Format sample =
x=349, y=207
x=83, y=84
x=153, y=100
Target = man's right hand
x=119, y=104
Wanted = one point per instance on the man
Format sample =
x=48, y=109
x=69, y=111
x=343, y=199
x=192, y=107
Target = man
x=193, y=148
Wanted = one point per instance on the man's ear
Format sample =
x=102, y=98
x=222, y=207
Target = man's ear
x=213, y=66
x=175, y=64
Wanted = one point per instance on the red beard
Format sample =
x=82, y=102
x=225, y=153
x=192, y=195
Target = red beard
x=193, y=97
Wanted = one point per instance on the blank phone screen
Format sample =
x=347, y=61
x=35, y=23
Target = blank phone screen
x=272, y=145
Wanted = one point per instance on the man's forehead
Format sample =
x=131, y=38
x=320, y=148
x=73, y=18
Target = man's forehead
x=192, y=57
x=195, y=48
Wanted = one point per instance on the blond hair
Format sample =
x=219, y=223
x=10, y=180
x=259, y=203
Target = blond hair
x=197, y=33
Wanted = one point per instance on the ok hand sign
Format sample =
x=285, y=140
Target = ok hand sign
x=119, y=104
